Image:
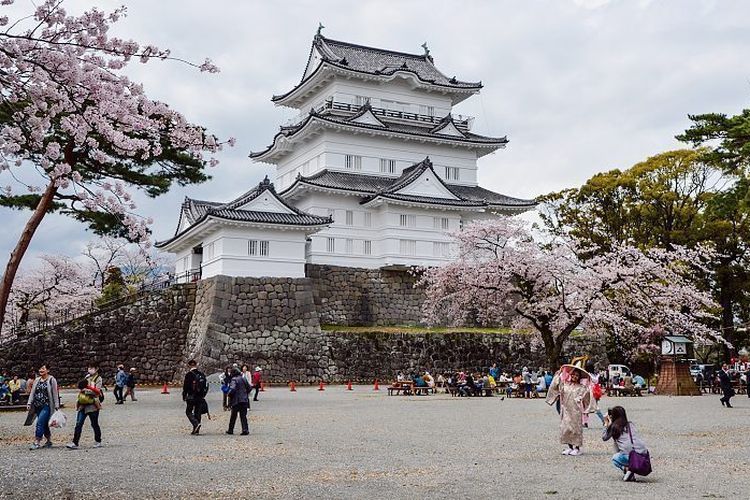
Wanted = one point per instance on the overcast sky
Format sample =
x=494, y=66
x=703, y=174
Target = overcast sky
x=578, y=86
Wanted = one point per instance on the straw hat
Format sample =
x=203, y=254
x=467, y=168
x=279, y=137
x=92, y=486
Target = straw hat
x=579, y=364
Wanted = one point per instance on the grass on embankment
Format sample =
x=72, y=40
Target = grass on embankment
x=417, y=329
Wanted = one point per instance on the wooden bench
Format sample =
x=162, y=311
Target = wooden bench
x=397, y=389
x=423, y=390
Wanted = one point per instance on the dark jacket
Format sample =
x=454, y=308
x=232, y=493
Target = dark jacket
x=238, y=391
x=725, y=381
x=188, y=386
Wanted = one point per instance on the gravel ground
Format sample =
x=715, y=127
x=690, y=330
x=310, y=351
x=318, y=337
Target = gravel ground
x=362, y=444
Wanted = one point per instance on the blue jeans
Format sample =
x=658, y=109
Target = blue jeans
x=94, y=419
x=620, y=460
x=42, y=423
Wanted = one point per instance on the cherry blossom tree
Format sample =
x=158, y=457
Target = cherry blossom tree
x=57, y=286
x=137, y=264
x=76, y=133
x=504, y=272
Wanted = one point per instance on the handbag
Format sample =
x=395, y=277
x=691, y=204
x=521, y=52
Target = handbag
x=638, y=463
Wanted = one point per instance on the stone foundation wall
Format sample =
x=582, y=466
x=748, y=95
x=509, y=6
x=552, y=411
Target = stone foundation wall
x=273, y=323
x=354, y=296
x=269, y=322
x=364, y=356
x=149, y=334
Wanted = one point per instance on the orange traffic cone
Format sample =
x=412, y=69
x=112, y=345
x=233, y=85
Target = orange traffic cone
x=165, y=389
x=262, y=386
x=349, y=386
x=321, y=388
x=292, y=387
x=377, y=387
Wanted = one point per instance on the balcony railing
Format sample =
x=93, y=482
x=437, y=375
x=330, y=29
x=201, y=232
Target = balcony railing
x=461, y=122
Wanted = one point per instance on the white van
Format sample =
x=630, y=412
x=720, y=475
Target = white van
x=618, y=370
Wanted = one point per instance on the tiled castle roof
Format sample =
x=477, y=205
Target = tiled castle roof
x=401, y=129
x=373, y=186
x=197, y=211
x=379, y=62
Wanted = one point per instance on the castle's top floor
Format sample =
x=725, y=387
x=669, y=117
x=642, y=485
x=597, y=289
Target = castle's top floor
x=331, y=60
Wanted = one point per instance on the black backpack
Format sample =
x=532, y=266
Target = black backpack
x=200, y=384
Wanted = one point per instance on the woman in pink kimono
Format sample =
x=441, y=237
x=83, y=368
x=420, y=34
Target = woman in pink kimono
x=571, y=387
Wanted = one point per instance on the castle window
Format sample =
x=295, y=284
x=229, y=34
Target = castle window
x=252, y=247
x=407, y=247
x=387, y=166
x=451, y=173
x=407, y=220
x=427, y=110
x=349, y=246
x=440, y=249
x=360, y=100
x=353, y=162
x=367, y=247
x=210, y=251
x=349, y=218
x=330, y=245
x=368, y=219
x=441, y=223
x=264, y=248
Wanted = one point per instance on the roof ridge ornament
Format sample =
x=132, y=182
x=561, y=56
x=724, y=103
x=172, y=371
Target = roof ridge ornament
x=320, y=29
x=266, y=184
x=426, y=52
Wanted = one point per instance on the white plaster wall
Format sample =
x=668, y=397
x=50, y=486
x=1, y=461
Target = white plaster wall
x=230, y=253
x=397, y=90
x=384, y=235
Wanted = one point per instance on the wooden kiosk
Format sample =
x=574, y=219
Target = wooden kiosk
x=674, y=374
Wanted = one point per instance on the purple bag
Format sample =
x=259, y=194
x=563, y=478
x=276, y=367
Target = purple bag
x=639, y=463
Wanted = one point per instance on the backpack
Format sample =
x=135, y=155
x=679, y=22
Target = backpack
x=597, y=391
x=85, y=399
x=200, y=384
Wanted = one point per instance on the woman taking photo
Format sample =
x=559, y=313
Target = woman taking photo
x=625, y=439
x=43, y=400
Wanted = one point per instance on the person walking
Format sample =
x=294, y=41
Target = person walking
x=90, y=410
x=43, y=398
x=257, y=381
x=130, y=385
x=194, y=390
x=726, y=386
x=224, y=380
x=624, y=437
x=120, y=379
x=239, y=392
x=747, y=380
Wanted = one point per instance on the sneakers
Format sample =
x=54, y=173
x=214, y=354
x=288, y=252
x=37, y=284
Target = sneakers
x=566, y=451
x=575, y=452
x=628, y=476
x=98, y=445
x=47, y=444
x=196, y=429
x=71, y=446
x=35, y=446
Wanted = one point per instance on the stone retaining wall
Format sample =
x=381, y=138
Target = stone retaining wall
x=354, y=296
x=149, y=334
x=273, y=323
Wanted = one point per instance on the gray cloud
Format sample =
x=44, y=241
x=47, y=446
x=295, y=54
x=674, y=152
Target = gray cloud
x=578, y=86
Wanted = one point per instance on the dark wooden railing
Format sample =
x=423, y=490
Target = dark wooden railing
x=462, y=123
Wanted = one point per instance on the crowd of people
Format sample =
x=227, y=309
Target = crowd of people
x=574, y=391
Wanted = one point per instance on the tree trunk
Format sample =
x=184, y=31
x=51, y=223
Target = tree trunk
x=553, y=357
x=23, y=244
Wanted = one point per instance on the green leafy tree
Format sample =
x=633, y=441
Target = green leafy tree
x=114, y=286
x=674, y=198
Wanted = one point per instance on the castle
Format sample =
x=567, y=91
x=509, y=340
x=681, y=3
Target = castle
x=374, y=173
